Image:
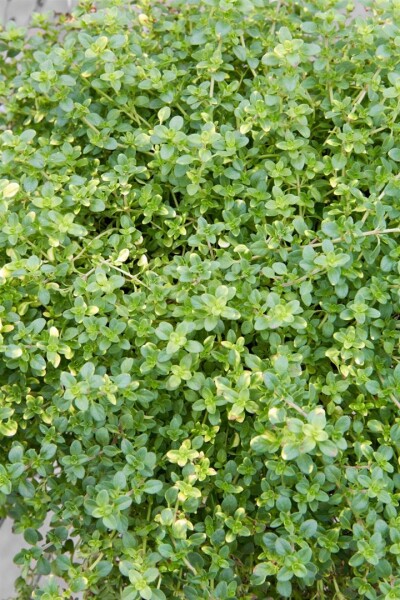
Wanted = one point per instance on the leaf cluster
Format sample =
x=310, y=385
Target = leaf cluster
x=200, y=300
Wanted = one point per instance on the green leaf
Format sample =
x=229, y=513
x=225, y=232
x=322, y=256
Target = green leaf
x=129, y=593
x=308, y=528
x=31, y=536
x=261, y=323
x=290, y=451
x=260, y=444
x=394, y=154
x=152, y=486
x=13, y=351
x=176, y=123
x=317, y=417
x=281, y=365
x=328, y=448
x=284, y=588
x=261, y=572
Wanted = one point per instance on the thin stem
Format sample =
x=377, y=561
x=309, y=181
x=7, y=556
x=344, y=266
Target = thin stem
x=394, y=399
x=89, y=124
x=176, y=507
x=358, y=101
x=300, y=279
x=189, y=566
x=94, y=563
x=365, y=216
x=175, y=199
x=380, y=231
x=123, y=110
x=212, y=86
x=296, y=407
x=35, y=248
x=134, y=115
x=86, y=275
x=126, y=273
x=183, y=111
x=379, y=129
x=330, y=92
x=91, y=242
x=148, y=521
x=362, y=94
x=357, y=235
x=241, y=37
x=381, y=195
x=278, y=8
x=185, y=560
x=391, y=396
x=43, y=173
x=337, y=589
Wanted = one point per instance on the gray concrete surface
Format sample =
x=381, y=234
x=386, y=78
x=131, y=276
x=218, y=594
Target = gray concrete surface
x=10, y=544
x=20, y=10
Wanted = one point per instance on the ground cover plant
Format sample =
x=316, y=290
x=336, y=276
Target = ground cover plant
x=200, y=378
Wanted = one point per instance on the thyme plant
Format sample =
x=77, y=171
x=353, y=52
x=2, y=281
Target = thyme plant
x=200, y=300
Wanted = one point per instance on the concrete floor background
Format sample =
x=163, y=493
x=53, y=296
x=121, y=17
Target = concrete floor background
x=20, y=10
x=10, y=544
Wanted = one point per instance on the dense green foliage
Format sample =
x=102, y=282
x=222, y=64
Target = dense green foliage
x=200, y=294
